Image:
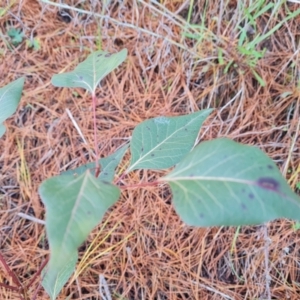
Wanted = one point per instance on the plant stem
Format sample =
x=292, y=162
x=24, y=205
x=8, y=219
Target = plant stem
x=139, y=185
x=97, y=170
x=10, y=272
x=37, y=273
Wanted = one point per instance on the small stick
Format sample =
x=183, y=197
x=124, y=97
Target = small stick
x=13, y=288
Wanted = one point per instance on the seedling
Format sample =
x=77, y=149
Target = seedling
x=34, y=43
x=16, y=36
x=218, y=182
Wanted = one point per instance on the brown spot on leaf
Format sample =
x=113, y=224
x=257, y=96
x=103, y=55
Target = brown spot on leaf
x=268, y=183
x=251, y=196
x=243, y=206
x=201, y=216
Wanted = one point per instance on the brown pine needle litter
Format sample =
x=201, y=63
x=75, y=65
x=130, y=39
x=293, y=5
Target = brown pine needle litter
x=142, y=250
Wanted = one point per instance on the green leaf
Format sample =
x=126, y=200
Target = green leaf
x=74, y=206
x=16, y=36
x=90, y=72
x=34, y=43
x=162, y=142
x=108, y=166
x=61, y=274
x=222, y=182
x=10, y=96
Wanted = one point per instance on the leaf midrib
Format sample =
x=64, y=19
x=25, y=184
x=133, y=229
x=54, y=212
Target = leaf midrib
x=162, y=142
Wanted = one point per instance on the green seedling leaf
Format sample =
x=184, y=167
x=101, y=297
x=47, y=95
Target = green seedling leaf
x=162, y=142
x=62, y=274
x=74, y=206
x=90, y=72
x=16, y=36
x=34, y=43
x=108, y=166
x=222, y=182
x=10, y=96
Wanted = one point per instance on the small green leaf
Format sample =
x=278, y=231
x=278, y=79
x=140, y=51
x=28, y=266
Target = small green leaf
x=10, y=96
x=108, y=165
x=90, y=72
x=162, y=142
x=16, y=36
x=222, y=182
x=74, y=206
x=34, y=43
x=62, y=275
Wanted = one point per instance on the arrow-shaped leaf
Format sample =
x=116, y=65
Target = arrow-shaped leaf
x=10, y=96
x=222, y=182
x=74, y=206
x=162, y=142
x=90, y=72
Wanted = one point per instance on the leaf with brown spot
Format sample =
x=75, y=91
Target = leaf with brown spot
x=222, y=182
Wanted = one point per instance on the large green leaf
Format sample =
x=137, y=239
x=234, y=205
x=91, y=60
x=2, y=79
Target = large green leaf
x=222, y=182
x=10, y=96
x=74, y=206
x=162, y=142
x=90, y=72
x=108, y=165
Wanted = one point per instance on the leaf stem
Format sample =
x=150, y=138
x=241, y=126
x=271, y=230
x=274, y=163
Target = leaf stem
x=97, y=170
x=37, y=273
x=10, y=272
x=139, y=185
